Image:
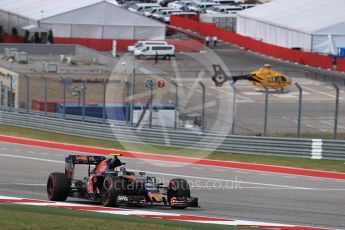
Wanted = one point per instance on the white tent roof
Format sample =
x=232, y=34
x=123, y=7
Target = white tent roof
x=40, y=9
x=102, y=13
x=311, y=16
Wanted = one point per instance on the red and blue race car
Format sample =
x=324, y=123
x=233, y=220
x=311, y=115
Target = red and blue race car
x=111, y=184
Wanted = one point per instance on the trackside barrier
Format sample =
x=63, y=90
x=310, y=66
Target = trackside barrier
x=96, y=44
x=341, y=64
x=122, y=44
x=189, y=45
x=306, y=148
x=210, y=29
x=13, y=39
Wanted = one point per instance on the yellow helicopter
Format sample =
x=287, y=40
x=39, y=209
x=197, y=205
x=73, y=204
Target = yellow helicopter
x=261, y=77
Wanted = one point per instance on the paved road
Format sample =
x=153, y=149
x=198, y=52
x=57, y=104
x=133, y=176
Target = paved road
x=222, y=192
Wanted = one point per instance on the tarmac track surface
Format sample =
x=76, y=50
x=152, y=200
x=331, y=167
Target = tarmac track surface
x=222, y=192
x=318, y=95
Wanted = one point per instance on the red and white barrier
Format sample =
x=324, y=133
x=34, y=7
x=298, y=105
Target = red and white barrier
x=295, y=56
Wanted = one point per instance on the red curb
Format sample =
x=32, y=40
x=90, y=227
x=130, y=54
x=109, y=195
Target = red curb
x=150, y=156
x=284, y=227
x=86, y=208
x=24, y=201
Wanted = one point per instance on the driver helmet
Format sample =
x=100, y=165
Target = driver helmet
x=122, y=171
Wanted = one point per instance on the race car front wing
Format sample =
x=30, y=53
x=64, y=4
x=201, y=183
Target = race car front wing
x=141, y=200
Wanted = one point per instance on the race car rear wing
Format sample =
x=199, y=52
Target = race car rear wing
x=89, y=160
x=84, y=159
x=72, y=160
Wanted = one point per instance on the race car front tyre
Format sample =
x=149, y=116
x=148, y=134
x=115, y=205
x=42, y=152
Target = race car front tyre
x=112, y=187
x=178, y=188
x=57, y=187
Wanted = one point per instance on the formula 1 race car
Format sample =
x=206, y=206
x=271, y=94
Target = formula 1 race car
x=111, y=184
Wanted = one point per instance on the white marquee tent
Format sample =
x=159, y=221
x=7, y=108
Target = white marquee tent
x=100, y=19
x=313, y=25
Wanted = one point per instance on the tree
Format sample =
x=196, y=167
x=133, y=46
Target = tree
x=37, y=38
x=50, y=37
x=27, y=36
x=14, y=31
x=1, y=34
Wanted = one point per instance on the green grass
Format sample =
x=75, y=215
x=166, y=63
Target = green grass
x=326, y=136
x=327, y=165
x=22, y=217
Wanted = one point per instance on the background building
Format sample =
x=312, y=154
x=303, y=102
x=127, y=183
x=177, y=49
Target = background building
x=317, y=26
x=87, y=20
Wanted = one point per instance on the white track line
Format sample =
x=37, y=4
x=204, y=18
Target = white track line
x=23, y=184
x=175, y=175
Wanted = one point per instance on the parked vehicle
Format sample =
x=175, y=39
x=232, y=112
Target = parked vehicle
x=164, y=15
x=165, y=51
x=157, y=12
x=180, y=5
x=223, y=9
x=186, y=13
x=165, y=3
x=166, y=18
x=201, y=6
x=247, y=6
x=142, y=6
x=226, y=2
x=187, y=4
x=141, y=44
x=150, y=11
x=160, y=13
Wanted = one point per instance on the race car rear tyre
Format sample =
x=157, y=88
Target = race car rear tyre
x=112, y=187
x=57, y=187
x=178, y=188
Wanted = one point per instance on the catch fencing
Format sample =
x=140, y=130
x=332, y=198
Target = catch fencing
x=306, y=148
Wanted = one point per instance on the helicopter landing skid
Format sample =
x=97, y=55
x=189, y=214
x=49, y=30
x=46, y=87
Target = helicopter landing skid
x=282, y=91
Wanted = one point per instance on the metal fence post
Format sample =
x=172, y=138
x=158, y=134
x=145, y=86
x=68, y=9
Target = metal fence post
x=27, y=93
x=1, y=93
x=64, y=98
x=151, y=101
x=83, y=92
x=11, y=92
x=266, y=109
x=233, y=85
x=336, y=114
x=45, y=96
x=176, y=104
x=133, y=93
x=299, y=114
x=127, y=84
x=203, y=106
x=104, y=83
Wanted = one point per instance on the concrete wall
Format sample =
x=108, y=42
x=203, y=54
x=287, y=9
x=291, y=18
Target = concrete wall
x=40, y=48
x=88, y=55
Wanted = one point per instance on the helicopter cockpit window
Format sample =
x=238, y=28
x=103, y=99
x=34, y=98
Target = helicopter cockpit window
x=271, y=79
